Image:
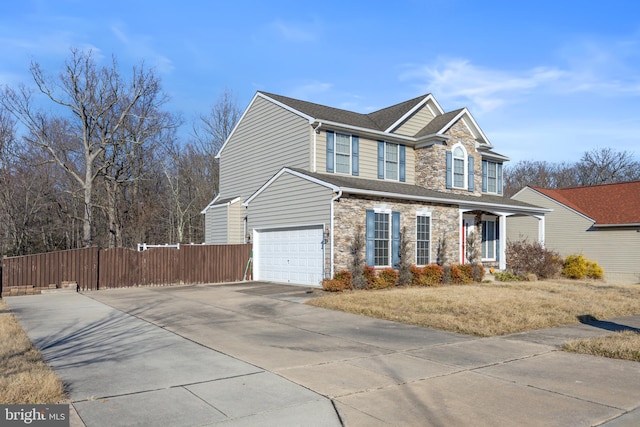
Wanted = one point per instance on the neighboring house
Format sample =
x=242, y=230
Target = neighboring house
x=602, y=222
x=299, y=179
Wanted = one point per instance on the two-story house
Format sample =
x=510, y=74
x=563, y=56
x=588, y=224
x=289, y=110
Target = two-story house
x=298, y=180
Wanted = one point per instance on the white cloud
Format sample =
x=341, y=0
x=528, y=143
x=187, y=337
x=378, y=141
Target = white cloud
x=140, y=48
x=605, y=68
x=306, y=32
x=481, y=88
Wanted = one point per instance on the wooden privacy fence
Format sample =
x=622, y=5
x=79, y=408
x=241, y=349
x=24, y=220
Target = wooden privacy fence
x=94, y=268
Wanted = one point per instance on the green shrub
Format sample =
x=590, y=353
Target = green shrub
x=429, y=275
x=507, y=276
x=387, y=278
x=461, y=274
x=524, y=257
x=579, y=267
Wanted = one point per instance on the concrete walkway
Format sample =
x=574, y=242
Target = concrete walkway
x=252, y=354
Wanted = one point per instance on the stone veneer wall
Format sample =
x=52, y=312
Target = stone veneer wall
x=350, y=212
x=431, y=162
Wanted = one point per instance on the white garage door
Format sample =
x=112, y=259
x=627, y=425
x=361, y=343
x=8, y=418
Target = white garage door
x=291, y=255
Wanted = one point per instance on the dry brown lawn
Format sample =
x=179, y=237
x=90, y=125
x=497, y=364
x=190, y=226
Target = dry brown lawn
x=24, y=377
x=621, y=345
x=490, y=309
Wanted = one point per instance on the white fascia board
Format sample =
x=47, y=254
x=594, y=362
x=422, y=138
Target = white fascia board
x=442, y=200
x=387, y=136
x=294, y=173
x=409, y=113
x=433, y=139
x=494, y=156
x=287, y=107
x=204, y=211
x=246, y=110
x=221, y=205
x=263, y=96
x=559, y=203
x=518, y=193
x=466, y=114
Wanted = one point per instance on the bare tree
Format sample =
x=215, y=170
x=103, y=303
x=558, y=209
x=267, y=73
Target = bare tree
x=212, y=130
x=99, y=103
x=606, y=166
x=537, y=173
x=599, y=166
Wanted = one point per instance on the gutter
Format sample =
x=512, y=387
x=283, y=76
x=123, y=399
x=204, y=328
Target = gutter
x=633, y=224
x=316, y=131
x=443, y=200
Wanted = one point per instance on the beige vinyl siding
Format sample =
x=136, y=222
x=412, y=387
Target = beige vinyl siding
x=617, y=250
x=216, y=220
x=368, y=160
x=236, y=223
x=290, y=201
x=522, y=228
x=268, y=138
x=416, y=122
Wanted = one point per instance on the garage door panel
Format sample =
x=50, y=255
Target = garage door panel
x=290, y=255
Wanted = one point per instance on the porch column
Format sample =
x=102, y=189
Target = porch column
x=541, y=230
x=502, y=224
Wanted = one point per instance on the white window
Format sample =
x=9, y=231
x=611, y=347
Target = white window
x=423, y=240
x=391, y=161
x=382, y=239
x=343, y=153
x=492, y=177
x=459, y=166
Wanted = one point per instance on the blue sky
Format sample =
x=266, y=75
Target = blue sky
x=545, y=80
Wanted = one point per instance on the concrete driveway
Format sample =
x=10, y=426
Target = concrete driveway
x=253, y=354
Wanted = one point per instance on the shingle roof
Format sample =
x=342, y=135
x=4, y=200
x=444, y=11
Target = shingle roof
x=394, y=187
x=378, y=120
x=608, y=204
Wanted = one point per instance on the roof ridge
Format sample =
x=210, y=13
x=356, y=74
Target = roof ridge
x=590, y=186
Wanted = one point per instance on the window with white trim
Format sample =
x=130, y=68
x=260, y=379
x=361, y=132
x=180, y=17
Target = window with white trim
x=382, y=238
x=459, y=166
x=423, y=239
x=492, y=177
x=343, y=153
x=391, y=161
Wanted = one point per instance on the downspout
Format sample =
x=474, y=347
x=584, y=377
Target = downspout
x=331, y=267
x=316, y=131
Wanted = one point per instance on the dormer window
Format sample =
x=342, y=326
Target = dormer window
x=459, y=168
x=459, y=159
